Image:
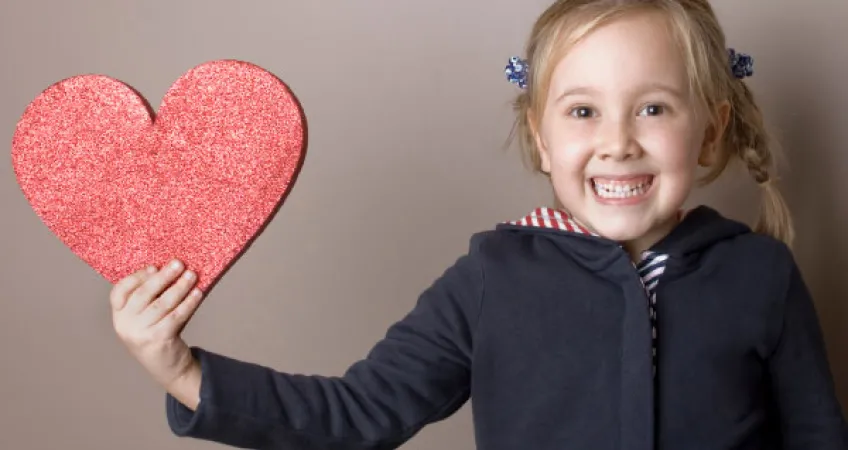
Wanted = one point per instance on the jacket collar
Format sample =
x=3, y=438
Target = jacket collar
x=699, y=227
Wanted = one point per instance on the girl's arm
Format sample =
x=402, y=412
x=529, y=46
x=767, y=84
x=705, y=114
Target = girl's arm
x=802, y=383
x=418, y=374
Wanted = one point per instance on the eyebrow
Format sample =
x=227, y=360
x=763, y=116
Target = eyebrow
x=650, y=87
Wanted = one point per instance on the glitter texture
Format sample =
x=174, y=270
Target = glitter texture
x=199, y=181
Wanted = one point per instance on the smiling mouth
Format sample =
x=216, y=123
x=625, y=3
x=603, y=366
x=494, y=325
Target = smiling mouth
x=607, y=188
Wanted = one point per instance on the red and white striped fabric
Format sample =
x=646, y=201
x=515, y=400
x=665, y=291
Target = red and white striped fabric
x=552, y=218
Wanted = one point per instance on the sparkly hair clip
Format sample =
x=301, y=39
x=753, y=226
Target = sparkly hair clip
x=516, y=72
x=741, y=65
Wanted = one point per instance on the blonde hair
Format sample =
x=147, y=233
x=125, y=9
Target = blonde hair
x=702, y=41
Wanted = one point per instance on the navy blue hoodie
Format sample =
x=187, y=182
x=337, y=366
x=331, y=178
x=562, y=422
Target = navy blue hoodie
x=549, y=333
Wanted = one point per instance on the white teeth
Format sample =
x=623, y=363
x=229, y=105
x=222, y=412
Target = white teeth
x=620, y=190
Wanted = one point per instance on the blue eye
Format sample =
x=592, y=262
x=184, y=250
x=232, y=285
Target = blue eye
x=582, y=112
x=652, y=110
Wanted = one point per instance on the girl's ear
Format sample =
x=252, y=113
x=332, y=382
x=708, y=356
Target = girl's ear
x=544, y=156
x=714, y=134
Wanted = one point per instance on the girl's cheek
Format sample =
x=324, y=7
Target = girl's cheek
x=571, y=140
x=571, y=164
x=673, y=147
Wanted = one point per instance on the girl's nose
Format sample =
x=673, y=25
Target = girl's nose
x=615, y=141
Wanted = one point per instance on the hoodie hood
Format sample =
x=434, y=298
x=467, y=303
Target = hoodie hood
x=699, y=228
x=702, y=227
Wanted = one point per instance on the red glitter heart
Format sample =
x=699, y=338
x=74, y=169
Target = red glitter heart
x=198, y=181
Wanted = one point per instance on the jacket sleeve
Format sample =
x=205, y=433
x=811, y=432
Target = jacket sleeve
x=419, y=373
x=810, y=415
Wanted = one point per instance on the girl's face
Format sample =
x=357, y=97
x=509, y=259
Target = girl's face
x=620, y=136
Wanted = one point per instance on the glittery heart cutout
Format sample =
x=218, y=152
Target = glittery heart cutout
x=199, y=180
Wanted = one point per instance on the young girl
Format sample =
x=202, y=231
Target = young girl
x=614, y=321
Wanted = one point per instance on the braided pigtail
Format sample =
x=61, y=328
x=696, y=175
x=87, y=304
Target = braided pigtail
x=748, y=140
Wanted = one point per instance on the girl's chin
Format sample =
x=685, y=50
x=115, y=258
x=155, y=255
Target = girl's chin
x=626, y=231
x=637, y=238
x=621, y=237
x=619, y=227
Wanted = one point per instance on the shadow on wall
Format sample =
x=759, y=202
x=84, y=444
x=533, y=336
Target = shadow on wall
x=809, y=134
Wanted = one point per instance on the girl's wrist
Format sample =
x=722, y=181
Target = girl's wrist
x=186, y=387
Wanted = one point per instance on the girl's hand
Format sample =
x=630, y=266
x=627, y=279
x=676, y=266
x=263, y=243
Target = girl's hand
x=149, y=311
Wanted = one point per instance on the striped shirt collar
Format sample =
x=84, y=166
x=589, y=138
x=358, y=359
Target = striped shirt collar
x=552, y=218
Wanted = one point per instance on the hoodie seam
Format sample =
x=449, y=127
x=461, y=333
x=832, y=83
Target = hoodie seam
x=481, y=297
x=776, y=335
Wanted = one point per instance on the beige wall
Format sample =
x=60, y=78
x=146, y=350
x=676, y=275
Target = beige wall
x=407, y=109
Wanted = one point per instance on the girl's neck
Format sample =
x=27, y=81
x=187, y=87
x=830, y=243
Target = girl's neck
x=637, y=247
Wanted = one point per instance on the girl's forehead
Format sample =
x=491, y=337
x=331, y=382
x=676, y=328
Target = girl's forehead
x=631, y=50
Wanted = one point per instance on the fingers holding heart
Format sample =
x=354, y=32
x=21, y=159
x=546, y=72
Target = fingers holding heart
x=151, y=304
x=152, y=287
x=122, y=289
x=173, y=322
x=170, y=298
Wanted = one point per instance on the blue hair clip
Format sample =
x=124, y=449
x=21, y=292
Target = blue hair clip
x=741, y=65
x=516, y=71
